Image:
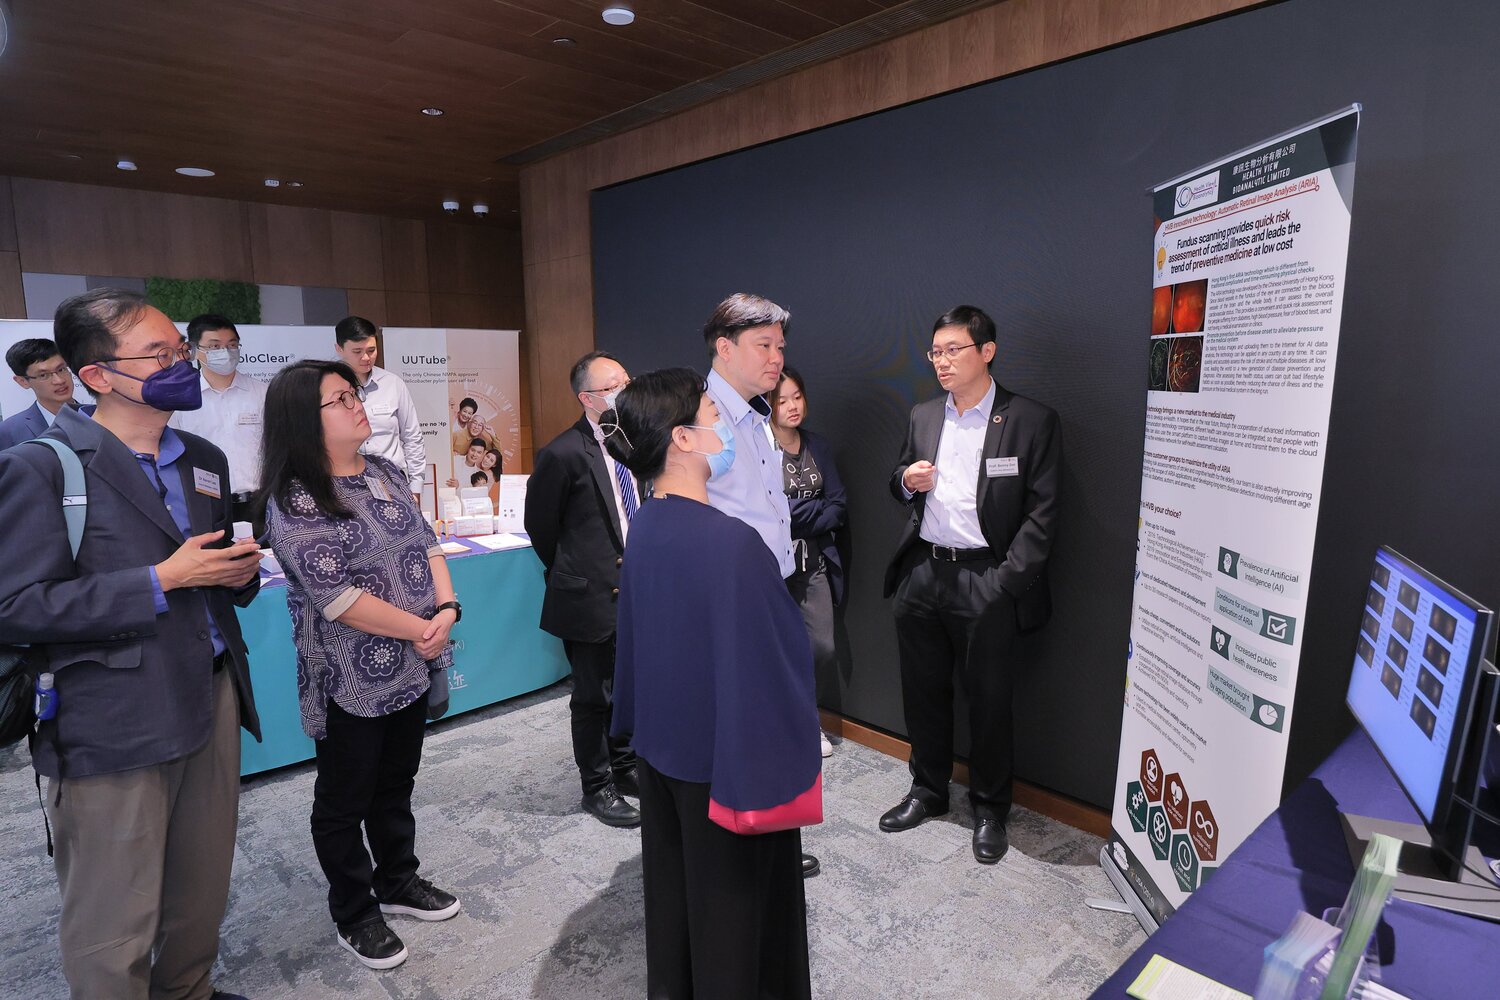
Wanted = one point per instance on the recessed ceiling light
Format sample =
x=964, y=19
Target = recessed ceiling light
x=4, y=24
x=69, y=156
x=433, y=112
x=618, y=16
x=291, y=184
x=125, y=165
x=565, y=41
x=195, y=171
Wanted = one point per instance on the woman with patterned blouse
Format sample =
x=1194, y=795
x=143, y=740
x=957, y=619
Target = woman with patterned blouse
x=371, y=605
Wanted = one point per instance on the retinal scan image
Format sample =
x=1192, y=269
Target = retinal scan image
x=1423, y=717
x=1376, y=600
x=1436, y=654
x=1365, y=651
x=1382, y=576
x=1442, y=623
x=1408, y=596
x=1396, y=652
x=1391, y=678
x=1371, y=625
x=1403, y=626
x=1430, y=686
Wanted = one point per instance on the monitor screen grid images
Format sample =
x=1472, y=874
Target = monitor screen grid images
x=1416, y=661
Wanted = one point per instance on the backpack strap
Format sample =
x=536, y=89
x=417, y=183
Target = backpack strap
x=75, y=494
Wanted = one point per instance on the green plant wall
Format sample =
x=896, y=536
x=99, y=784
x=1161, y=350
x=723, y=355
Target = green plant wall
x=183, y=298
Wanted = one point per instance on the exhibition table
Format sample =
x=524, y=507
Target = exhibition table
x=1296, y=860
x=499, y=651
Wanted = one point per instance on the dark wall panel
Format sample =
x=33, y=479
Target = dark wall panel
x=1027, y=196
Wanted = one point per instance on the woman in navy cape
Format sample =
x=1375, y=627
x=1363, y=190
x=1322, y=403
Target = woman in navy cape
x=714, y=687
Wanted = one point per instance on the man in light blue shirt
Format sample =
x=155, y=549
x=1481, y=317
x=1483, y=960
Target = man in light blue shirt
x=746, y=338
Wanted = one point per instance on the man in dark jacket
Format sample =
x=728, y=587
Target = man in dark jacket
x=980, y=472
x=143, y=757
x=579, y=502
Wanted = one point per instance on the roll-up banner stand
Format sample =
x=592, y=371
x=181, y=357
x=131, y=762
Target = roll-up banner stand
x=1247, y=269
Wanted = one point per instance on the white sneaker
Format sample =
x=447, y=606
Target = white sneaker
x=827, y=747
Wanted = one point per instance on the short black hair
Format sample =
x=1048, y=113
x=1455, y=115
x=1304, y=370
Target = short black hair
x=981, y=328
x=469, y=402
x=201, y=324
x=86, y=326
x=788, y=373
x=353, y=328
x=741, y=312
x=639, y=427
x=477, y=478
x=581, y=368
x=479, y=441
x=25, y=353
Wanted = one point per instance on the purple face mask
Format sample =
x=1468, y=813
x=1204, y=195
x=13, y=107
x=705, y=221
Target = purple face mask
x=174, y=388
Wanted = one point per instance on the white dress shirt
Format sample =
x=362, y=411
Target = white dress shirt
x=231, y=419
x=951, y=514
x=614, y=480
x=395, y=431
x=752, y=489
x=47, y=414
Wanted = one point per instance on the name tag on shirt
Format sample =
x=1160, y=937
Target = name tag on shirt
x=249, y=418
x=207, y=483
x=996, y=467
x=377, y=488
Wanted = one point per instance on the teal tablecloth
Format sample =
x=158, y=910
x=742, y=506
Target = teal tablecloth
x=500, y=651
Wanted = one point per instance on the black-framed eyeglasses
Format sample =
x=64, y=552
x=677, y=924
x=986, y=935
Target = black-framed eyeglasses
x=348, y=397
x=166, y=357
x=605, y=389
x=951, y=353
x=63, y=374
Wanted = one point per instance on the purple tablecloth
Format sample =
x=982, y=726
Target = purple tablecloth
x=1296, y=860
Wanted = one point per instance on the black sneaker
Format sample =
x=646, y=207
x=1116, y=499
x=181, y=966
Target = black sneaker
x=424, y=901
x=374, y=944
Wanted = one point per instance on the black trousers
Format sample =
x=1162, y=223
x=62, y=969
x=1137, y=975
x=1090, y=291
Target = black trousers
x=366, y=770
x=725, y=915
x=599, y=755
x=953, y=617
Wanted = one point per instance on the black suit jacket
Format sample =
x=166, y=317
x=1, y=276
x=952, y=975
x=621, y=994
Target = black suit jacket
x=1017, y=514
x=134, y=687
x=575, y=528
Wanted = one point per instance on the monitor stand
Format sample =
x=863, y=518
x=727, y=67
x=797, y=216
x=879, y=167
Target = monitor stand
x=1420, y=879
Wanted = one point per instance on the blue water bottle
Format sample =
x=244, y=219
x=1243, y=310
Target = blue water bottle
x=46, y=697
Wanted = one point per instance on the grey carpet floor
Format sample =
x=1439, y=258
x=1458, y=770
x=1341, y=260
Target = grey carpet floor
x=552, y=899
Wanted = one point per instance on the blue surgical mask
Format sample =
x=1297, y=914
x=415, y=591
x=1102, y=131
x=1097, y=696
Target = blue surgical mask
x=221, y=360
x=719, y=461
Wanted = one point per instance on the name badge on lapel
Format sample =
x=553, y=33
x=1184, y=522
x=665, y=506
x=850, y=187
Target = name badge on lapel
x=996, y=467
x=207, y=483
x=249, y=419
x=378, y=489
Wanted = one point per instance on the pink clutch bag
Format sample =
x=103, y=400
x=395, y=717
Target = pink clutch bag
x=805, y=810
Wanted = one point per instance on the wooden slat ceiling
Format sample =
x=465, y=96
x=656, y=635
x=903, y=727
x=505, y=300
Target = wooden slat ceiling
x=330, y=92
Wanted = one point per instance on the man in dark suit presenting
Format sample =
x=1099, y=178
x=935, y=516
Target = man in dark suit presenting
x=142, y=759
x=579, y=502
x=980, y=472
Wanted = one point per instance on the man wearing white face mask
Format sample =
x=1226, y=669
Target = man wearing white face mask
x=579, y=502
x=233, y=404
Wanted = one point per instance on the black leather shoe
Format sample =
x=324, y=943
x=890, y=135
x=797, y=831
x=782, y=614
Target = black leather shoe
x=607, y=807
x=628, y=783
x=990, y=841
x=810, y=866
x=911, y=812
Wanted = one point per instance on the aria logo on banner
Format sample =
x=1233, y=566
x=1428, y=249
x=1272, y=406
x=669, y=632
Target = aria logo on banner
x=1203, y=191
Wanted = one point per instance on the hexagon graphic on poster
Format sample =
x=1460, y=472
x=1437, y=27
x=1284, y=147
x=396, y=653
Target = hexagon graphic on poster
x=1151, y=775
x=1158, y=832
x=1175, y=800
x=1184, y=862
x=1135, y=806
x=1204, y=830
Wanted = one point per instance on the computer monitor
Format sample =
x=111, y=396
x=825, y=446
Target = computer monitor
x=1423, y=691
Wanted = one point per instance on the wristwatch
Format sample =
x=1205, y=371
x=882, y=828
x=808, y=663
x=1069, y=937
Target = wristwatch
x=458, y=610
